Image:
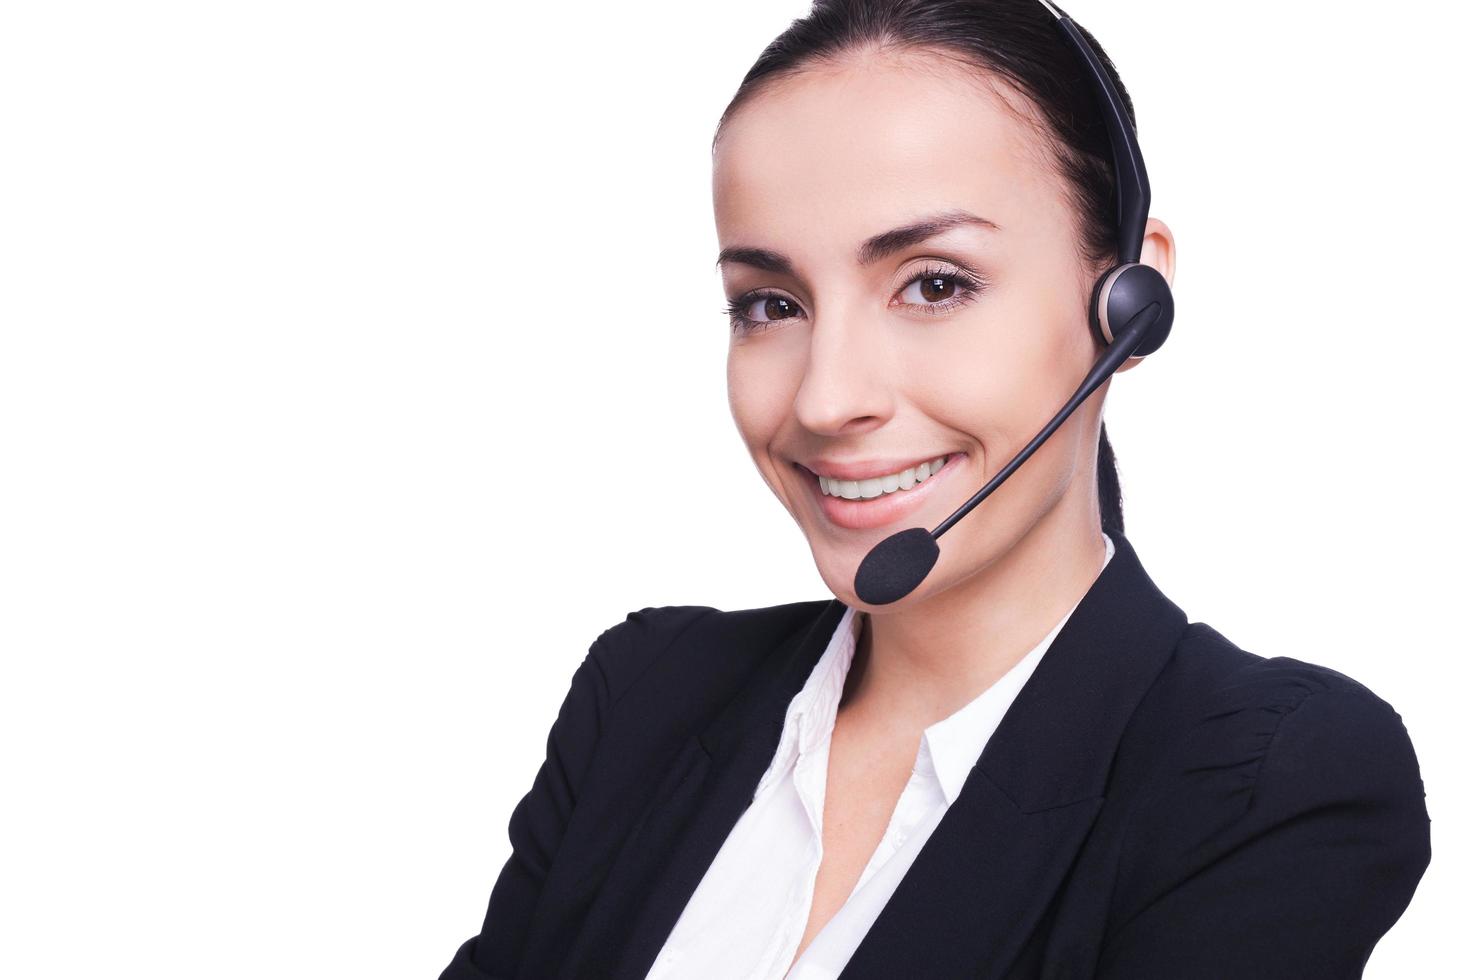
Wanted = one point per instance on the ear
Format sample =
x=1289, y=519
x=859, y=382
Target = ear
x=1158, y=252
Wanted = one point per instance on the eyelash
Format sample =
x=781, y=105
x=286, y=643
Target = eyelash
x=971, y=284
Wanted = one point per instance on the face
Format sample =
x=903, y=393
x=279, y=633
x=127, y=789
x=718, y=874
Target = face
x=855, y=352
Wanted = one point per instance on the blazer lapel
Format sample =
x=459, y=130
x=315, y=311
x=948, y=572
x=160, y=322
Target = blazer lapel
x=696, y=805
x=984, y=879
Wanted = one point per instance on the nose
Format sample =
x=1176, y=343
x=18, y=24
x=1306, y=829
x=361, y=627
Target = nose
x=848, y=384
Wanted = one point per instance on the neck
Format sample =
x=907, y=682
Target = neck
x=921, y=664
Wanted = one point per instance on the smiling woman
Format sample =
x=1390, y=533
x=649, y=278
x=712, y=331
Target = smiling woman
x=1031, y=765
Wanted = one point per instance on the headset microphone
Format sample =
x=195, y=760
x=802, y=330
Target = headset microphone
x=1130, y=294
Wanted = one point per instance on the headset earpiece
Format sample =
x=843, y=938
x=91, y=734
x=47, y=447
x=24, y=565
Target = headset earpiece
x=1125, y=292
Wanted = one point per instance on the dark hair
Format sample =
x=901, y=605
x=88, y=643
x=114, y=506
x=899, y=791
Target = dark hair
x=1017, y=40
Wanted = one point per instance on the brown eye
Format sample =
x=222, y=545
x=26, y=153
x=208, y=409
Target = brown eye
x=773, y=308
x=939, y=290
x=758, y=311
x=932, y=289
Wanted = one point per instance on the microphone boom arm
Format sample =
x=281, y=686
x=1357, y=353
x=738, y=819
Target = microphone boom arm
x=1117, y=352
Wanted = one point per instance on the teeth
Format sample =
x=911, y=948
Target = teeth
x=881, y=485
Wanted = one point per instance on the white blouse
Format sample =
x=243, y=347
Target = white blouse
x=750, y=910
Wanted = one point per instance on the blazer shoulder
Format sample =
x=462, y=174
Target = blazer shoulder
x=1270, y=816
x=1269, y=768
x=1231, y=730
x=667, y=671
x=1221, y=677
x=685, y=642
x=625, y=650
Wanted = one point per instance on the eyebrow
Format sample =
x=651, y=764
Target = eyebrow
x=877, y=247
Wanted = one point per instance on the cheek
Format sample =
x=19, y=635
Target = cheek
x=1002, y=376
x=761, y=391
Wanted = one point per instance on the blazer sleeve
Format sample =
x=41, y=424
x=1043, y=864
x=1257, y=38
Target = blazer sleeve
x=539, y=819
x=1288, y=836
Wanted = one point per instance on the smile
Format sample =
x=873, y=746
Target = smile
x=880, y=501
x=881, y=485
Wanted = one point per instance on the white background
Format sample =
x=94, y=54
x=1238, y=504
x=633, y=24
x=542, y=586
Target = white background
x=343, y=342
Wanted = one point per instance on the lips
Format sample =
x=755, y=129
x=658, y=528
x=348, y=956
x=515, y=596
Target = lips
x=883, y=511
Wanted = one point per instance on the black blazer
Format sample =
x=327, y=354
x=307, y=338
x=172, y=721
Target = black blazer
x=1157, y=803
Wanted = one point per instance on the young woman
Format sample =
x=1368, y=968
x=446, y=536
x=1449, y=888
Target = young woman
x=1031, y=765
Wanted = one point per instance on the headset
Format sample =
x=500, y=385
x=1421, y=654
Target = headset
x=1131, y=313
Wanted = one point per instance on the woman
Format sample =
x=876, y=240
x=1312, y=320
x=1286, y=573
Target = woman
x=1032, y=764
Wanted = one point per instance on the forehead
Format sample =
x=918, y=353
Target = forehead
x=831, y=156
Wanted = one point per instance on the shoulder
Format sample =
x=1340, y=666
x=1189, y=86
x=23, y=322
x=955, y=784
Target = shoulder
x=677, y=663
x=1212, y=693
x=1228, y=698
x=624, y=650
x=1271, y=813
x=1234, y=748
x=1216, y=708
